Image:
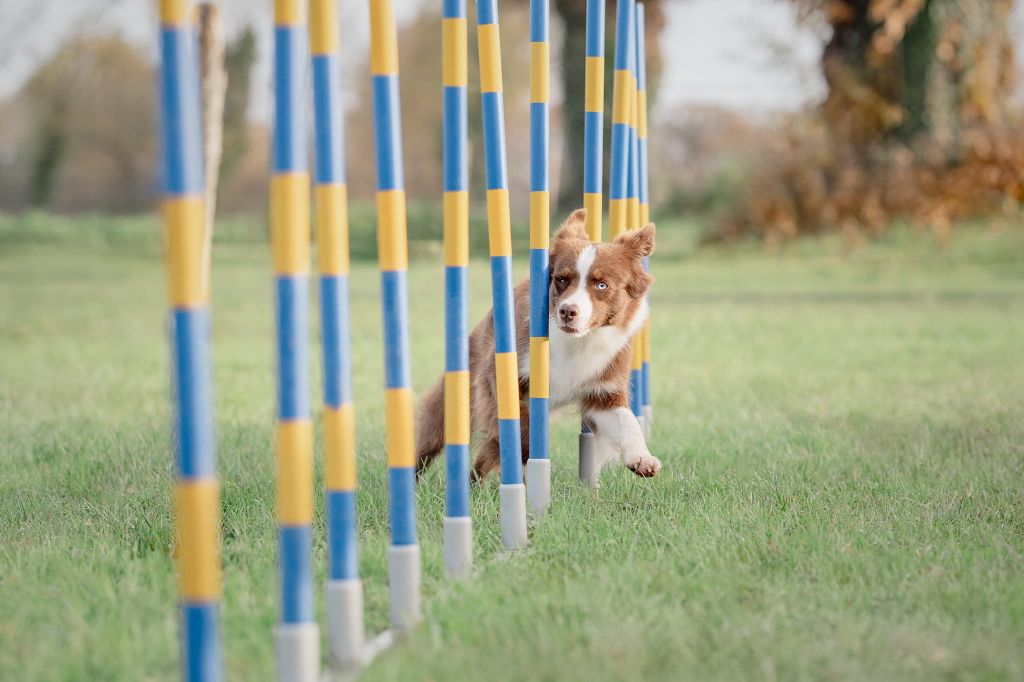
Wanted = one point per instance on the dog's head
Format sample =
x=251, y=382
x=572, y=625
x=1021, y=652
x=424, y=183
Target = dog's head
x=597, y=285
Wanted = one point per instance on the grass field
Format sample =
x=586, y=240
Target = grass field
x=842, y=494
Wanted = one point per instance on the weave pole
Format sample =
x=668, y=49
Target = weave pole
x=632, y=171
x=297, y=637
x=621, y=90
x=197, y=495
x=641, y=125
x=593, y=121
x=593, y=172
x=458, y=526
x=512, y=491
x=393, y=260
x=538, y=468
x=633, y=219
x=344, y=589
x=645, y=202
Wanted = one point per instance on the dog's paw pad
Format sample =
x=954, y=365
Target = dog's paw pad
x=647, y=466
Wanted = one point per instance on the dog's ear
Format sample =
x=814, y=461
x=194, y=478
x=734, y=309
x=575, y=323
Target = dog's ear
x=639, y=283
x=574, y=226
x=641, y=241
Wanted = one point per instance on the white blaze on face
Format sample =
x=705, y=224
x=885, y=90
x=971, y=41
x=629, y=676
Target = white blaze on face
x=580, y=297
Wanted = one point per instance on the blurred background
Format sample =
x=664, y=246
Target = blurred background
x=769, y=118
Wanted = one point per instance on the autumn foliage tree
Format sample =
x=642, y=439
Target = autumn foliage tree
x=897, y=69
x=918, y=122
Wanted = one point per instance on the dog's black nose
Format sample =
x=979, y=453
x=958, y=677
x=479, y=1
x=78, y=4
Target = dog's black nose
x=568, y=313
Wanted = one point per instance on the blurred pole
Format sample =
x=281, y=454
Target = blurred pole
x=197, y=495
x=618, y=182
x=393, y=261
x=512, y=491
x=645, y=201
x=633, y=218
x=593, y=121
x=593, y=171
x=538, y=467
x=343, y=592
x=297, y=637
x=458, y=526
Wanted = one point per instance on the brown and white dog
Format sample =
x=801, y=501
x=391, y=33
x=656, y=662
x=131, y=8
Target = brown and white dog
x=597, y=305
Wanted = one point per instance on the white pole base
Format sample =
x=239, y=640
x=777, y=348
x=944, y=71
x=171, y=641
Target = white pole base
x=513, y=515
x=588, y=461
x=458, y=546
x=648, y=420
x=298, y=652
x=538, y=484
x=345, y=634
x=643, y=426
x=404, y=585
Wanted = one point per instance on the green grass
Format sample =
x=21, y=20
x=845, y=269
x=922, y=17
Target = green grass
x=841, y=430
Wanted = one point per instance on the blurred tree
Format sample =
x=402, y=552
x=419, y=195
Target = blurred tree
x=899, y=69
x=573, y=14
x=239, y=58
x=93, y=143
x=918, y=123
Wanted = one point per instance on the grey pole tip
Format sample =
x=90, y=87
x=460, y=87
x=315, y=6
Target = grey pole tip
x=458, y=546
x=345, y=633
x=404, y=585
x=298, y=652
x=538, y=484
x=513, y=515
x=588, y=461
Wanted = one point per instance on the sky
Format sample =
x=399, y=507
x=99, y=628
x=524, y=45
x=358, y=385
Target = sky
x=746, y=55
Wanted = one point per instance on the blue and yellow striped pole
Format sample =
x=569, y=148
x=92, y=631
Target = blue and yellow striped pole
x=593, y=121
x=297, y=635
x=344, y=589
x=458, y=526
x=633, y=223
x=641, y=125
x=513, y=492
x=593, y=172
x=632, y=183
x=618, y=183
x=197, y=498
x=645, y=205
x=393, y=258
x=538, y=468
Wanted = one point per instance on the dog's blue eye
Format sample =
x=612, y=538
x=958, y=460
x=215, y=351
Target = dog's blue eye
x=602, y=286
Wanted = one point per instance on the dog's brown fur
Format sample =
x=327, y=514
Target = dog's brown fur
x=620, y=266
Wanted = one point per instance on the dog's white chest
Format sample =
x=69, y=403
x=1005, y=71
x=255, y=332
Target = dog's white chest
x=577, y=363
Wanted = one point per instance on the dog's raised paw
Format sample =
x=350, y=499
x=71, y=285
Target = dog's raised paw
x=647, y=466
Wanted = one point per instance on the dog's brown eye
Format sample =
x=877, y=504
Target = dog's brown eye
x=601, y=286
x=562, y=281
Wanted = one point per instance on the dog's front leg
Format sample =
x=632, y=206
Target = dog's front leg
x=618, y=434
